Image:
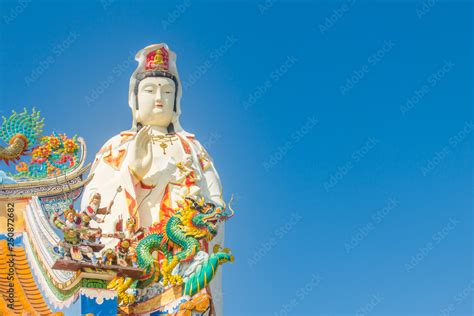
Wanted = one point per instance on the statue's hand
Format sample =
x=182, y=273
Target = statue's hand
x=142, y=154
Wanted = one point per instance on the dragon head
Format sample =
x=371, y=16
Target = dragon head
x=208, y=216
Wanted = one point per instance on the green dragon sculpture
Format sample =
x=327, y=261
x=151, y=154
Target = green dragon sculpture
x=177, y=239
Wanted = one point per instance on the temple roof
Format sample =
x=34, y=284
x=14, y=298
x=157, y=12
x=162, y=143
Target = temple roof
x=28, y=297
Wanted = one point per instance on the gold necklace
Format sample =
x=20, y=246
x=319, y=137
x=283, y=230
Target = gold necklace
x=163, y=140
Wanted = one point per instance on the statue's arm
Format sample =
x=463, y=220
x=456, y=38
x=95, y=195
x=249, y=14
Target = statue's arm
x=58, y=223
x=154, y=177
x=210, y=174
x=103, y=210
x=101, y=171
x=141, y=154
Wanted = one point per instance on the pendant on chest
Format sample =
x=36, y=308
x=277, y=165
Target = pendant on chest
x=165, y=141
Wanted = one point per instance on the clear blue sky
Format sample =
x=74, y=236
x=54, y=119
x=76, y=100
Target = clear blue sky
x=344, y=128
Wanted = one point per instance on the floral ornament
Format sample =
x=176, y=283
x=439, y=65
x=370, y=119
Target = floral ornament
x=52, y=170
x=55, y=155
x=48, y=155
x=42, y=151
x=70, y=146
x=53, y=142
x=22, y=166
x=69, y=159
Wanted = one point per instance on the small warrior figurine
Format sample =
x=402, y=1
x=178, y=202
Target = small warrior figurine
x=71, y=222
x=123, y=251
x=109, y=258
x=186, y=178
x=132, y=258
x=90, y=235
x=127, y=240
x=71, y=231
x=93, y=209
x=132, y=233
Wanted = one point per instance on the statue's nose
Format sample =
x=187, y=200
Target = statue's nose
x=158, y=95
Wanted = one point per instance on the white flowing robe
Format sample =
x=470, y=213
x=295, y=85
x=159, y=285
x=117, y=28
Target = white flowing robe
x=110, y=170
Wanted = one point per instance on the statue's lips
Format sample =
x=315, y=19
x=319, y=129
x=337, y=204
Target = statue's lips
x=159, y=105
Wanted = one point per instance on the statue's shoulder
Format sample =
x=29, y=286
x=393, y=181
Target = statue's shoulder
x=189, y=139
x=114, y=151
x=203, y=156
x=118, y=141
x=186, y=135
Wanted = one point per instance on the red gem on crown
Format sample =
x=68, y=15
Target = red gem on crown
x=157, y=60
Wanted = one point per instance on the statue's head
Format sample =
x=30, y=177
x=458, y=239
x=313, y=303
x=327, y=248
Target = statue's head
x=156, y=98
x=70, y=214
x=85, y=218
x=95, y=199
x=155, y=88
x=131, y=224
x=188, y=160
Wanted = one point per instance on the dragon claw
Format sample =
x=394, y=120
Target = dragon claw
x=176, y=279
x=216, y=248
x=122, y=286
x=167, y=268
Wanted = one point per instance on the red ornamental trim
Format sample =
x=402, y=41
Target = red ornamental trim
x=145, y=186
x=186, y=147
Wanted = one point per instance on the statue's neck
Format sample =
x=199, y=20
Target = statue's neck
x=158, y=130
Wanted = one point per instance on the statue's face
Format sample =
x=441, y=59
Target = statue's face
x=70, y=217
x=156, y=101
x=85, y=218
x=189, y=160
x=95, y=202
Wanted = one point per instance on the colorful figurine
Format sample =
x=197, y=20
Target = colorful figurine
x=72, y=234
x=93, y=209
x=187, y=179
x=109, y=257
x=128, y=240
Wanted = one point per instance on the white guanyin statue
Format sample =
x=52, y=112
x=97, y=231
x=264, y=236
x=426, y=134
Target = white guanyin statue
x=149, y=169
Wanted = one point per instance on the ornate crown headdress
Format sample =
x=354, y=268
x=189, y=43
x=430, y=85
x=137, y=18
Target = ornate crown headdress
x=157, y=60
